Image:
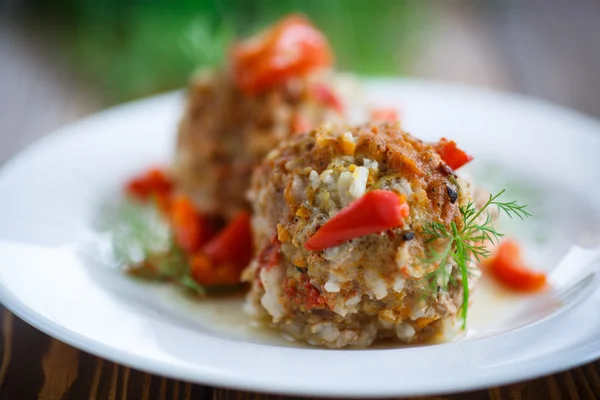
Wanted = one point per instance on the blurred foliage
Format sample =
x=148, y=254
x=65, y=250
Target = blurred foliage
x=138, y=47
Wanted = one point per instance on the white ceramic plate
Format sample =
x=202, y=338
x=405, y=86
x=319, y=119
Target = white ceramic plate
x=51, y=194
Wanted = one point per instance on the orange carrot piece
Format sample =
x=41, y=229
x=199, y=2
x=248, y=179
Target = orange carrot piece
x=190, y=228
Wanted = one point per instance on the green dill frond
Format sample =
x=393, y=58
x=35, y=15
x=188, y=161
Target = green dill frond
x=437, y=257
x=436, y=230
x=465, y=244
x=142, y=243
x=191, y=284
x=468, y=211
x=461, y=257
x=479, y=251
x=512, y=209
x=136, y=231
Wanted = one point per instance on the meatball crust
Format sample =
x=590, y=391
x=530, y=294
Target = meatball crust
x=370, y=287
x=224, y=133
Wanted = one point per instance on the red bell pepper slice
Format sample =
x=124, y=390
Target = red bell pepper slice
x=233, y=245
x=508, y=268
x=375, y=211
x=303, y=293
x=207, y=273
x=153, y=182
x=270, y=255
x=384, y=115
x=451, y=154
x=293, y=47
x=325, y=95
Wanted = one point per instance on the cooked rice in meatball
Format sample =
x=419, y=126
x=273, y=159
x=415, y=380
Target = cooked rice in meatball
x=370, y=287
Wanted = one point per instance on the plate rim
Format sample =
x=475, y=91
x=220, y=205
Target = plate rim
x=54, y=329
x=145, y=364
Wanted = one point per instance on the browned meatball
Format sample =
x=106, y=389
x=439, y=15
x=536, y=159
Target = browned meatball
x=374, y=286
x=224, y=133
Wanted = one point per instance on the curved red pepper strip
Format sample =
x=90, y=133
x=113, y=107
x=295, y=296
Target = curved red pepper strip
x=374, y=212
x=233, y=245
x=293, y=47
x=451, y=154
x=384, y=114
x=152, y=182
x=508, y=268
x=190, y=228
x=325, y=95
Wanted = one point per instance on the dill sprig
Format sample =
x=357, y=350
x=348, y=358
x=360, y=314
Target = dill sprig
x=141, y=242
x=465, y=243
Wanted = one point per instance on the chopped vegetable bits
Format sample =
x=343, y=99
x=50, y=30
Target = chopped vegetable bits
x=204, y=256
x=154, y=182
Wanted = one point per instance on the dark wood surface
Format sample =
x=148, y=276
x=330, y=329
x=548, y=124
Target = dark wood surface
x=544, y=48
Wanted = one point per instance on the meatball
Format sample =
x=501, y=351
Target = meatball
x=370, y=287
x=225, y=133
x=276, y=83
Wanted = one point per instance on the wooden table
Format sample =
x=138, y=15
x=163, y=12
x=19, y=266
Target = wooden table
x=545, y=48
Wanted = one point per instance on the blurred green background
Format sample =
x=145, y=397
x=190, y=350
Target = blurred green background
x=135, y=48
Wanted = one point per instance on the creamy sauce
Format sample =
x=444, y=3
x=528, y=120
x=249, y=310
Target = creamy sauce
x=226, y=317
x=494, y=308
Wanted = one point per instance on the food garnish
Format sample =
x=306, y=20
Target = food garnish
x=153, y=182
x=220, y=261
x=375, y=211
x=384, y=114
x=451, y=154
x=142, y=244
x=467, y=242
x=293, y=47
x=162, y=236
x=191, y=230
x=324, y=94
x=507, y=266
x=233, y=245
